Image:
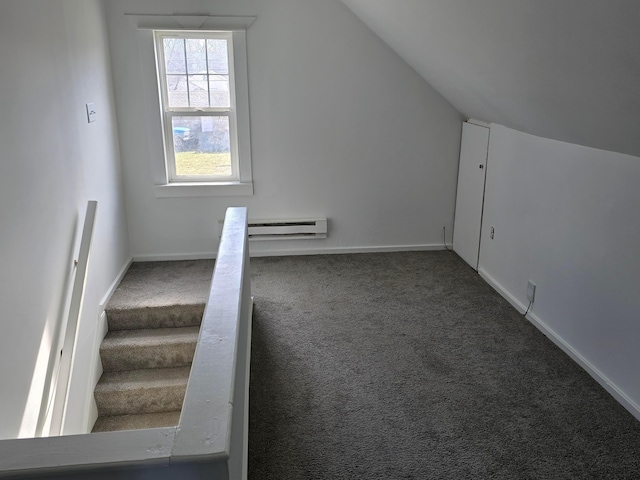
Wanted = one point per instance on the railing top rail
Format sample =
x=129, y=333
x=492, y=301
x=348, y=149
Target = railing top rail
x=208, y=403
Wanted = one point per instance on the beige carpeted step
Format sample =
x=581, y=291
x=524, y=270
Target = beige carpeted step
x=141, y=391
x=150, y=348
x=136, y=422
x=153, y=318
x=161, y=295
x=167, y=316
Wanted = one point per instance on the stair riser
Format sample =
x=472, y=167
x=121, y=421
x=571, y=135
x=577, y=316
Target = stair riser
x=135, y=422
x=141, y=357
x=143, y=400
x=155, y=317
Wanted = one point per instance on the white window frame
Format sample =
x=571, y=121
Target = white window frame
x=169, y=112
x=235, y=27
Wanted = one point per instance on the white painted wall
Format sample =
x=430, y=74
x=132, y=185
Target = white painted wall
x=53, y=59
x=341, y=127
x=566, y=217
x=565, y=70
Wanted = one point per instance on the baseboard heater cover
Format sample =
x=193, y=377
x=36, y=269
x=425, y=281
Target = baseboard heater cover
x=289, y=229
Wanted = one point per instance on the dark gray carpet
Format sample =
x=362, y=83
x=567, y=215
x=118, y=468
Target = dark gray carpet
x=408, y=365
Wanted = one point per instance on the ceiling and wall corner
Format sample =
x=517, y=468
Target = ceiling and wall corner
x=565, y=70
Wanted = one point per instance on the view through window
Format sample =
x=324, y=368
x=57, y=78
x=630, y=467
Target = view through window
x=196, y=77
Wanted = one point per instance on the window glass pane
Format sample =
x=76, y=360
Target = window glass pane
x=196, y=55
x=177, y=91
x=198, y=91
x=174, y=56
x=218, y=57
x=202, y=146
x=219, y=88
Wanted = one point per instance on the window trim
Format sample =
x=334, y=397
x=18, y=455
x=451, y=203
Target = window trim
x=237, y=26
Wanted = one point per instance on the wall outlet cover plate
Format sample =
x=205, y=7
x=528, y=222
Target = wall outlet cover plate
x=531, y=291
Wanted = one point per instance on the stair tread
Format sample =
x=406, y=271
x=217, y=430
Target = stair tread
x=150, y=337
x=139, y=421
x=145, y=378
x=161, y=284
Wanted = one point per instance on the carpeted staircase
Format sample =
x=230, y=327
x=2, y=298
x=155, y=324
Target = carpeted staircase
x=154, y=319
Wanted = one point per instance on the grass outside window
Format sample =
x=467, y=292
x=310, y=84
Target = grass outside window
x=203, y=163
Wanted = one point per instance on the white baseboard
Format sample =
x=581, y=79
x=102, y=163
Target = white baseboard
x=261, y=252
x=91, y=409
x=258, y=252
x=566, y=347
x=174, y=257
x=113, y=286
x=502, y=291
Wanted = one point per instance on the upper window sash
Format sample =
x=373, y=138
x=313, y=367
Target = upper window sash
x=186, y=75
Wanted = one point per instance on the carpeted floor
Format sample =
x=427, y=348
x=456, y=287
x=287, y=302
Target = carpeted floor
x=409, y=366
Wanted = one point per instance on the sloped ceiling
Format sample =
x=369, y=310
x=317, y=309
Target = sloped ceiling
x=562, y=69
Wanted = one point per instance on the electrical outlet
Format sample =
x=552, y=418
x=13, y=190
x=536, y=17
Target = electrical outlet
x=493, y=232
x=531, y=291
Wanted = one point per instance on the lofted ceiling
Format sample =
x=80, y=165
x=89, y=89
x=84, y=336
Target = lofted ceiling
x=562, y=69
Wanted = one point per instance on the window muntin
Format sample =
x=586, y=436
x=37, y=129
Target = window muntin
x=196, y=76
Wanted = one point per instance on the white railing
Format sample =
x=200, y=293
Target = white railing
x=69, y=342
x=211, y=439
x=51, y=410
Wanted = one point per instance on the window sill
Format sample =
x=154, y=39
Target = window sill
x=219, y=189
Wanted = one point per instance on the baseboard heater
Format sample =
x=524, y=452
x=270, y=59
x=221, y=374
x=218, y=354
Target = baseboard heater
x=292, y=229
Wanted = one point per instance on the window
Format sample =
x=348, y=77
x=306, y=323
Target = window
x=204, y=103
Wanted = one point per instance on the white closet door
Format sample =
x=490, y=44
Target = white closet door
x=470, y=196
